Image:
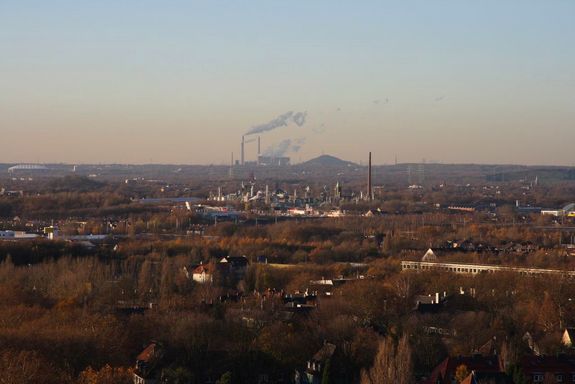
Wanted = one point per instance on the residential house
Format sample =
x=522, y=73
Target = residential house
x=548, y=369
x=237, y=266
x=322, y=287
x=430, y=303
x=299, y=303
x=147, y=362
x=373, y=213
x=489, y=348
x=234, y=267
x=204, y=273
x=316, y=366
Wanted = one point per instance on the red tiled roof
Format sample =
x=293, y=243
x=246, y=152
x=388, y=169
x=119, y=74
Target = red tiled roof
x=148, y=353
x=203, y=268
x=468, y=379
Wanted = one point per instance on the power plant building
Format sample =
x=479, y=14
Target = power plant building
x=276, y=161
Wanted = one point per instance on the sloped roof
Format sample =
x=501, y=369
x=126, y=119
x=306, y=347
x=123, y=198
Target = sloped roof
x=236, y=261
x=325, y=353
x=429, y=256
x=203, y=268
x=148, y=353
x=571, y=333
x=489, y=348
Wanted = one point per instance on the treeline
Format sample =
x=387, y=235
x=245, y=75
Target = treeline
x=70, y=204
x=320, y=241
x=37, y=251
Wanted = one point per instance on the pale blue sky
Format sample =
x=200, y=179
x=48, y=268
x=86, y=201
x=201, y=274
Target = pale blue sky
x=180, y=81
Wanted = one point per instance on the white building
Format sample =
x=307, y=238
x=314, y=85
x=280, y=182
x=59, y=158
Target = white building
x=203, y=274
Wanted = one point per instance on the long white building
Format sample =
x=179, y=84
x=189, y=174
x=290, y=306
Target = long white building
x=474, y=269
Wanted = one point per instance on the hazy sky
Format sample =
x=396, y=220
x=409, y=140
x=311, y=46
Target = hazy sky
x=181, y=81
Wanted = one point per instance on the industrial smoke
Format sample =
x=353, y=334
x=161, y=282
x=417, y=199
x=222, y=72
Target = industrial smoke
x=298, y=118
x=284, y=147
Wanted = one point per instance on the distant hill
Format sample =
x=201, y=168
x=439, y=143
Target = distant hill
x=327, y=161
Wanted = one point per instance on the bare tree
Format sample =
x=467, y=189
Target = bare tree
x=392, y=364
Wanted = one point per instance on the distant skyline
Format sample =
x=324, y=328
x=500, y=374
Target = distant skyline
x=448, y=81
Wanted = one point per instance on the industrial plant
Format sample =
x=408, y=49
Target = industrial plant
x=266, y=160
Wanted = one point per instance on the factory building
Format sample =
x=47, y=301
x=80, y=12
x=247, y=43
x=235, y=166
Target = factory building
x=277, y=161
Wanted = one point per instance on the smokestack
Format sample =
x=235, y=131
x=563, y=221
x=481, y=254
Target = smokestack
x=242, y=152
x=369, y=192
x=259, y=153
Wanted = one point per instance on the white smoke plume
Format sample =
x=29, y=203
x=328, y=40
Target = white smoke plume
x=284, y=147
x=299, y=118
x=283, y=120
x=277, y=150
x=296, y=146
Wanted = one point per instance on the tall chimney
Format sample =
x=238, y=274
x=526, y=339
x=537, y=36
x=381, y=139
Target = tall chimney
x=242, y=152
x=259, y=150
x=369, y=191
